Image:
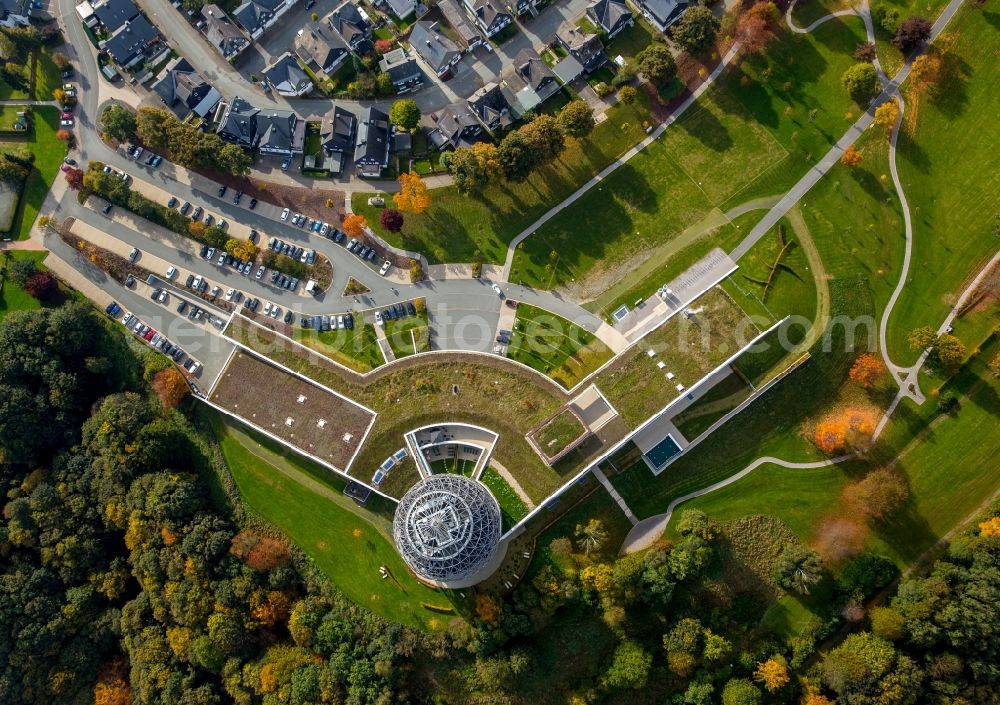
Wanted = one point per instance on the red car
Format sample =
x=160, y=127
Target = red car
x=65, y=167
x=67, y=116
x=149, y=334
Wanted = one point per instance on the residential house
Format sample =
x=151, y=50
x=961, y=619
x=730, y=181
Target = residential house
x=567, y=69
x=522, y=7
x=374, y=144
x=585, y=48
x=337, y=133
x=402, y=69
x=456, y=127
x=256, y=16
x=238, y=124
x=184, y=89
x=468, y=36
x=527, y=83
x=128, y=45
x=15, y=13
x=320, y=48
x=222, y=34
x=113, y=14
x=490, y=107
x=354, y=27
x=440, y=53
x=402, y=9
x=490, y=15
x=662, y=13
x=610, y=16
x=273, y=131
x=286, y=77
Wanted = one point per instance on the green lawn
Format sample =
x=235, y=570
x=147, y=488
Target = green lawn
x=512, y=507
x=47, y=75
x=12, y=297
x=948, y=170
x=630, y=41
x=347, y=544
x=49, y=152
x=408, y=335
x=455, y=227
x=890, y=57
x=555, y=347
x=716, y=403
x=558, y=433
x=752, y=135
x=356, y=349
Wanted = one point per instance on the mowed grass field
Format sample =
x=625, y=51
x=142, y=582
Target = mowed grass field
x=555, y=347
x=346, y=546
x=754, y=134
x=49, y=152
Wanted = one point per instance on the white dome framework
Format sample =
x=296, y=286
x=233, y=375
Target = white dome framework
x=447, y=528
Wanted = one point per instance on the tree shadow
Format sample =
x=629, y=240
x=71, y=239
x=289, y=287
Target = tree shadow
x=951, y=95
x=706, y=127
x=869, y=183
x=906, y=531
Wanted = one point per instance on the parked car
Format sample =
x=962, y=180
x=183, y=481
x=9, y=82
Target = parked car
x=288, y=316
x=284, y=214
x=171, y=271
x=497, y=290
x=260, y=271
x=237, y=197
x=253, y=203
x=67, y=122
x=222, y=191
x=384, y=269
x=185, y=208
x=209, y=218
x=287, y=162
x=172, y=202
x=378, y=319
x=349, y=321
x=107, y=209
x=182, y=307
x=156, y=161
x=253, y=237
x=133, y=255
x=112, y=309
x=197, y=213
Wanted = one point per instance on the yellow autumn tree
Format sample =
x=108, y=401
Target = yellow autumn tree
x=887, y=114
x=990, y=528
x=241, y=249
x=412, y=196
x=851, y=157
x=488, y=609
x=772, y=673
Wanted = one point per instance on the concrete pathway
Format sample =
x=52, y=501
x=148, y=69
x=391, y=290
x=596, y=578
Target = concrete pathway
x=619, y=500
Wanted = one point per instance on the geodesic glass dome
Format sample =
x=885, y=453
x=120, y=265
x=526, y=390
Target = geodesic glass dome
x=447, y=527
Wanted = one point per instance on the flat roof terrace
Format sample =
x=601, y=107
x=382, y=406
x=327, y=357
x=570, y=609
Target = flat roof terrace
x=294, y=409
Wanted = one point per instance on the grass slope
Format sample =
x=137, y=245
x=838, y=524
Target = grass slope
x=48, y=151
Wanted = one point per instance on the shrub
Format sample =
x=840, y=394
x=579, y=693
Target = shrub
x=861, y=82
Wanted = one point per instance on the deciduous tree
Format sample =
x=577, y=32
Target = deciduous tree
x=657, y=64
x=920, y=339
x=696, y=30
x=887, y=114
x=576, y=119
x=949, y=351
x=868, y=370
x=391, y=220
x=627, y=95
x=544, y=137
x=118, y=122
x=42, y=286
x=773, y=673
x=405, y=114
x=756, y=28
x=911, y=34
x=74, y=178
x=878, y=494
x=170, y=387
x=354, y=225
x=851, y=157
x=861, y=82
x=740, y=691
x=241, y=249
x=412, y=196
x=629, y=667
x=517, y=160
x=925, y=72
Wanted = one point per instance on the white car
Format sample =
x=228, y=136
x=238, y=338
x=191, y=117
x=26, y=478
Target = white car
x=171, y=271
x=260, y=271
x=230, y=293
x=275, y=310
x=378, y=319
x=126, y=318
x=325, y=229
x=498, y=290
x=162, y=296
x=284, y=214
x=67, y=122
x=267, y=308
x=385, y=268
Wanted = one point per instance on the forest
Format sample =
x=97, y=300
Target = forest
x=132, y=573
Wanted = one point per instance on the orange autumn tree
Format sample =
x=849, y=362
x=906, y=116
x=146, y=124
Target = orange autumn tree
x=756, y=27
x=112, y=688
x=488, y=609
x=851, y=157
x=990, y=528
x=354, y=224
x=412, y=196
x=867, y=370
x=772, y=673
x=925, y=71
x=843, y=430
x=170, y=386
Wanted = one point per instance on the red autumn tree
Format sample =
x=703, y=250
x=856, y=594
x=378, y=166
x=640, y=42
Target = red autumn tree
x=756, y=27
x=170, y=387
x=42, y=286
x=868, y=370
x=74, y=177
x=878, y=494
x=837, y=538
x=383, y=46
x=391, y=219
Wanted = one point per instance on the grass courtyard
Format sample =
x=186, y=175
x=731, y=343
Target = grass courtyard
x=408, y=335
x=558, y=433
x=356, y=349
x=48, y=151
x=555, y=347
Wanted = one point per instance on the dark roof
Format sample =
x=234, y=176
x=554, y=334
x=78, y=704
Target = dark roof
x=530, y=70
x=454, y=16
x=586, y=48
x=131, y=39
x=14, y=7
x=239, y=123
x=286, y=76
x=434, y=48
x=253, y=14
x=490, y=106
x=181, y=83
x=280, y=130
x=609, y=13
x=320, y=47
x=114, y=13
x=348, y=21
x=337, y=134
x=665, y=12
x=455, y=124
x=568, y=69
x=373, y=137
x=401, y=8
x=486, y=11
x=222, y=33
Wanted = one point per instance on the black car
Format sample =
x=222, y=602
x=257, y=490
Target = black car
x=106, y=210
x=400, y=310
x=305, y=322
x=288, y=317
x=253, y=203
x=253, y=237
x=237, y=197
x=193, y=312
x=411, y=309
x=190, y=281
x=389, y=313
x=172, y=202
x=349, y=321
x=185, y=208
x=182, y=307
x=204, y=251
x=222, y=191
x=130, y=282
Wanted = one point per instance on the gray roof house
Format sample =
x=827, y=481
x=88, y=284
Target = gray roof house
x=611, y=16
x=662, y=13
x=255, y=16
x=353, y=25
x=337, y=133
x=182, y=85
x=374, y=144
x=15, y=13
x=469, y=37
x=222, y=34
x=238, y=124
x=456, y=127
x=440, y=53
x=402, y=69
x=400, y=8
x=273, y=132
x=490, y=107
x=522, y=7
x=127, y=46
x=528, y=82
x=490, y=15
x=320, y=48
x=114, y=13
x=585, y=48
x=286, y=76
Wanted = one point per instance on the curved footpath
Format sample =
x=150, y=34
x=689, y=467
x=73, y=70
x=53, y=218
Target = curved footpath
x=646, y=532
